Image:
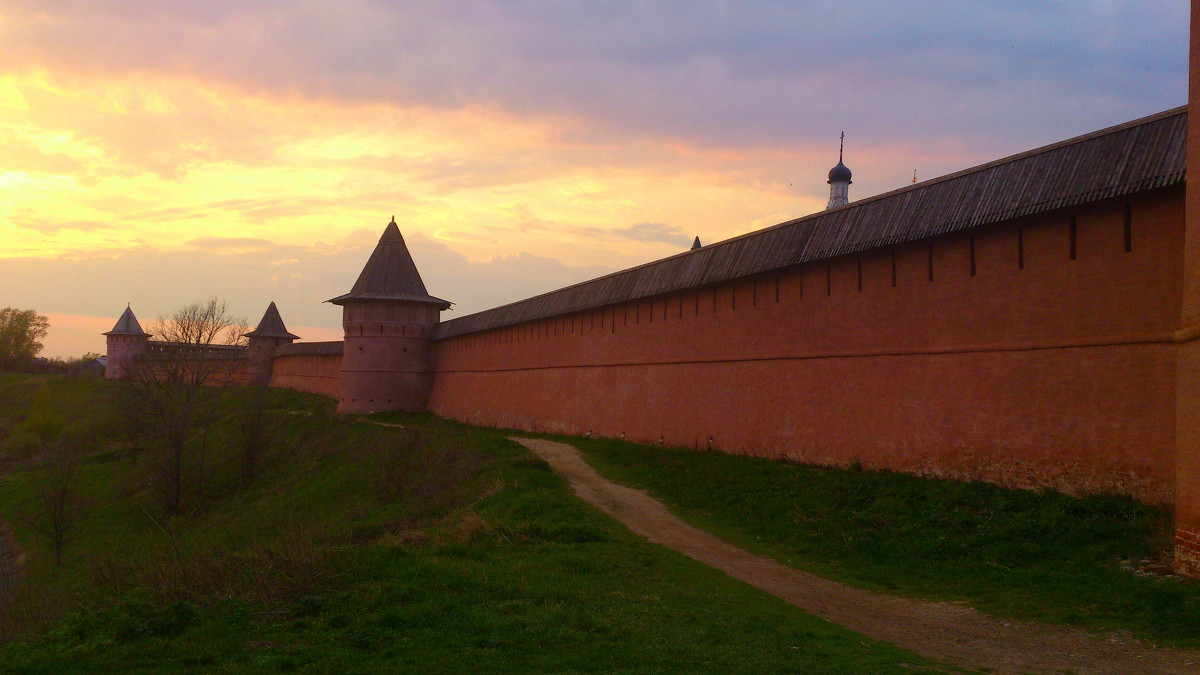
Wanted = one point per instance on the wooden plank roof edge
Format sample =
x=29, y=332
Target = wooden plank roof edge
x=444, y=327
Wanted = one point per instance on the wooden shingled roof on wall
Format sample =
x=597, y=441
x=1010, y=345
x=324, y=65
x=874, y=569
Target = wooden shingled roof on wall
x=1144, y=154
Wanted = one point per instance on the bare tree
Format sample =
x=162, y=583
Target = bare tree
x=253, y=427
x=200, y=344
x=198, y=347
x=59, y=502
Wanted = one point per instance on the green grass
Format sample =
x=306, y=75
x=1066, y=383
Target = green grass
x=436, y=548
x=1016, y=553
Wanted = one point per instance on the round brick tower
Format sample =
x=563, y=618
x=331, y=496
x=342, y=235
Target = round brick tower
x=262, y=342
x=126, y=341
x=388, y=317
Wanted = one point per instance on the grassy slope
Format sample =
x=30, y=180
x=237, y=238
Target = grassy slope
x=1023, y=554
x=362, y=548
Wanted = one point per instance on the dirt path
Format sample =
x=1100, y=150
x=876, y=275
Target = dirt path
x=940, y=631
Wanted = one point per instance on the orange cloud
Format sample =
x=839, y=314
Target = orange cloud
x=96, y=164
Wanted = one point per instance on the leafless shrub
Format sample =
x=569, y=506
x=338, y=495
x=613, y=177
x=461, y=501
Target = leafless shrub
x=253, y=430
x=60, y=504
x=15, y=605
x=173, y=398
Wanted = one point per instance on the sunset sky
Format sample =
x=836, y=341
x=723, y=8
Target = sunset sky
x=158, y=153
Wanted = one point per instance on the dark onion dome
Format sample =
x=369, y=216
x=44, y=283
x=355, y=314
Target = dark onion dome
x=839, y=174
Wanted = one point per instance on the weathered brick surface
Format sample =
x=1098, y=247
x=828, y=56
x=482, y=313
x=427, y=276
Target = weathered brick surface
x=319, y=374
x=386, y=359
x=259, y=352
x=1187, y=552
x=121, y=351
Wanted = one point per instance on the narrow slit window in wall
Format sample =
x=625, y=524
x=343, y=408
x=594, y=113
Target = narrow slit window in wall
x=715, y=294
x=801, y=282
x=1128, y=228
x=697, y=302
x=1074, y=233
x=859, y=274
x=1020, y=248
x=828, y=278
x=972, y=247
x=893, y=268
x=733, y=295
x=777, y=287
x=931, y=261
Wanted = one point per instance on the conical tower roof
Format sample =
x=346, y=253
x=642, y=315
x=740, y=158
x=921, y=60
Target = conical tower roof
x=696, y=243
x=272, y=326
x=127, y=325
x=390, y=274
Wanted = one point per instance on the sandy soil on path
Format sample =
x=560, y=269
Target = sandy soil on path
x=944, y=632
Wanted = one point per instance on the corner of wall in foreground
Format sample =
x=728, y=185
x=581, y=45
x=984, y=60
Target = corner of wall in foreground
x=1187, y=410
x=1187, y=448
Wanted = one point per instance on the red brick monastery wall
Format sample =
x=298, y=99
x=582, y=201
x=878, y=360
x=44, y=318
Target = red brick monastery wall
x=318, y=373
x=1018, y=353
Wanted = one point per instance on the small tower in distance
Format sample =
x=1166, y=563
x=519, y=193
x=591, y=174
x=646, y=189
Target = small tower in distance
x=125, y=342
x=262, y=342
x=839, y=180
x=388, y=317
